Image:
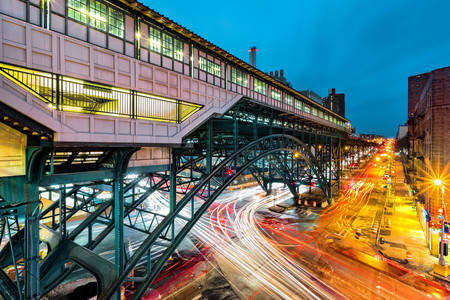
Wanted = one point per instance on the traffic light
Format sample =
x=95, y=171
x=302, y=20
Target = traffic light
x=446, y=229
x=229, y=172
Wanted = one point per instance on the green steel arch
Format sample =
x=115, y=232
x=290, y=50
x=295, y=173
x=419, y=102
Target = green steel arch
x=240, y=161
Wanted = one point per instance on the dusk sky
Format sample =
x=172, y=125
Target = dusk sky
x=365, y=49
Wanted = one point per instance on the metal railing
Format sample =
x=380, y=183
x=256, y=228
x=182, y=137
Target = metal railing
x=69, y=94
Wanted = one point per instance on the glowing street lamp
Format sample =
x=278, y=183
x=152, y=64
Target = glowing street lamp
x=438, y=182
x=297, y=155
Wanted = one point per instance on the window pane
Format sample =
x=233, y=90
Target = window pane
x=155, y=40
x=298, y=104
x=288, y=99
x=239, y=77
x=97, y=15
x=259, y=86
x=202, y=63
x=276, y=95
x=116, y=23
x=167, y=46
x=179, y=50
x=77, y=9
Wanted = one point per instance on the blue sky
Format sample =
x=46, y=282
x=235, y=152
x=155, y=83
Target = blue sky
x=365, y=49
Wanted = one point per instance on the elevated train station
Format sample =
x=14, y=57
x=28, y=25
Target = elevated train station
x=110, y=97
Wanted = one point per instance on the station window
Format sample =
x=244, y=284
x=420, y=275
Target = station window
x=307, y=109
x=116, y=22
x=97, y=15
x=77, y=10
x=276, y=95
x=209, y=66
x=298, y=104
x=178, y=50
x=239, y=77
x=155, y=40
x=259, y=86
x=288, y=99
x=167, y=45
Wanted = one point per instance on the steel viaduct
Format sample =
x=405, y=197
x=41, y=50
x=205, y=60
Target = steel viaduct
x=102, y=103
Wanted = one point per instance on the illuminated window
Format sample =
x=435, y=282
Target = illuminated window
x=314, y=111
x=116, y=22
x=307, y=109
x=276, y=95
x=167, y=45
x=155, y=40
x=259, y=86
x=97, y=15
x=298, y=104
x=320, y=114
x=326, y=117
x=239, y=77
x=202, y=64
x=77, y=10
x=209, y=66
x=288, y=99
x=179, y=50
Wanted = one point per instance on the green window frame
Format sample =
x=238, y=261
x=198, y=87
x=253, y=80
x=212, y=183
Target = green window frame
x=259, y=86
x=298, y=104
x=178, y=53
x=288, y=99
x=78, y=10
x=116, y=22
x=209, y=66
x=307, y=109
x=202, y=63
x=97, y=15
x=276, y=95
x=167, y=45
x=239, y=77
x=155, y=39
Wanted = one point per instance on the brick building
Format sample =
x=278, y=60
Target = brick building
x=429, y=135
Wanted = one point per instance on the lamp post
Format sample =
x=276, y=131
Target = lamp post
x=438, y=182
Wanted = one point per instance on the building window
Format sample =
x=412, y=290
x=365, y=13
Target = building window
x=307, y=109
x=77, y=10
x=155, y=40
x=320, y=114
x=259, y=86
x=239, y=77
x=298, y=104
x=167, y=45
x=97, y=15
x=116, y=22
x=209, y=66
x=288, y=99
x=179, y=50
x=314, y=111
x=276, y=95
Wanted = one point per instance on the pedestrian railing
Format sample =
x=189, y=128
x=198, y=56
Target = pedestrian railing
x=70, y=94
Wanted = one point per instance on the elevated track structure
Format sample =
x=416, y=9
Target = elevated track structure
x=103, y=103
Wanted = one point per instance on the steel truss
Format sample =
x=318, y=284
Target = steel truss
x=248, y=140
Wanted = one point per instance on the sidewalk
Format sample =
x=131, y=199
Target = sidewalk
x=401, y=229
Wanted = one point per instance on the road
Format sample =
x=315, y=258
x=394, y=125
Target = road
x=310, y=254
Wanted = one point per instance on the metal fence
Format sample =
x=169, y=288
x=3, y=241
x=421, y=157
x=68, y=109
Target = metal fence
x=69, y=94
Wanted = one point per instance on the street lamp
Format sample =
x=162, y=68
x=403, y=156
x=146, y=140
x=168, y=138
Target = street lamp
x=438, y=182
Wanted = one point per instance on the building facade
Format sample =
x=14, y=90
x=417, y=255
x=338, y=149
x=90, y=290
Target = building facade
x=121, y=30
x=335, y=102
x=429, y=138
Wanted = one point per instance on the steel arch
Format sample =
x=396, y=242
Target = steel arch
x=240, y=161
